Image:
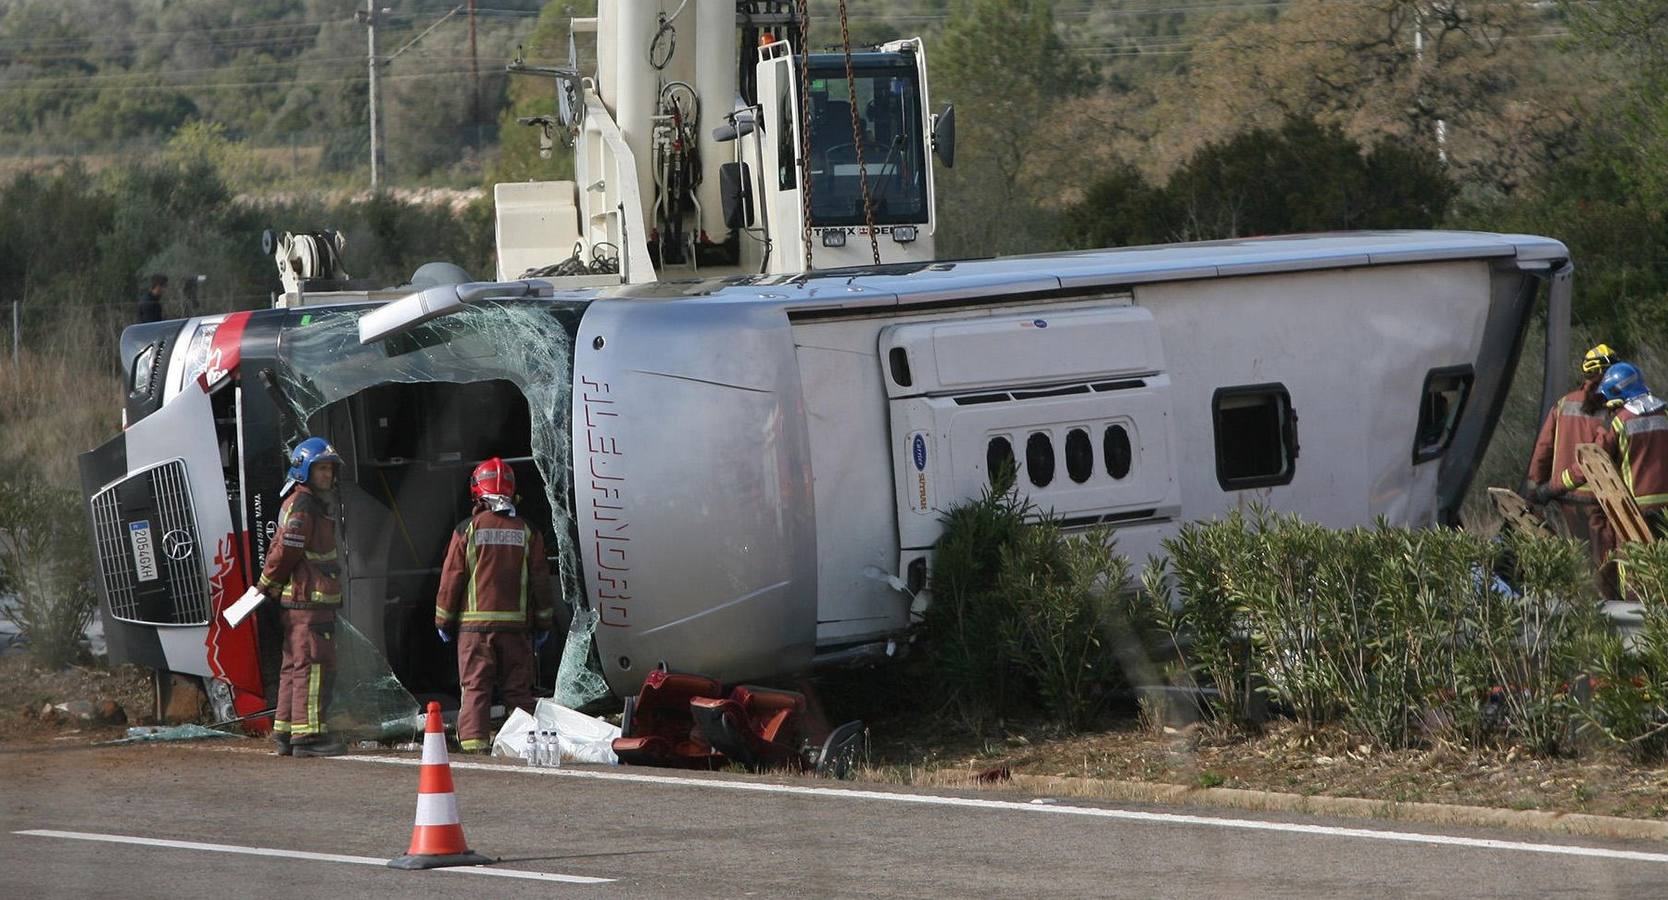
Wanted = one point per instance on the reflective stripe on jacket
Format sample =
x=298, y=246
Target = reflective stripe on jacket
x=301, y=560
x=1567, y=425
x=494, y=577
x=1638, y=442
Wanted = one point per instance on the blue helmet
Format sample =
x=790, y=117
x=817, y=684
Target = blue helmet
x=1621, y=383
x=306, y=454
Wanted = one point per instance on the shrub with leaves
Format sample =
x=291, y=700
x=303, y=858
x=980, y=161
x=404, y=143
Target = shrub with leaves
x=1207, y=630
x=45, y=563
x=1630, y=678
x=1060, y=604
x=1530, y=650
x=1024, y=616
x=1396, y=635
x=963, y=625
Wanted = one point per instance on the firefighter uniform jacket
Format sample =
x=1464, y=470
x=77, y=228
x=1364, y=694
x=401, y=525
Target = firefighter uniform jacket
x=494, y=578
x=301, y=561
x=1638, y=441
x=1567, y=425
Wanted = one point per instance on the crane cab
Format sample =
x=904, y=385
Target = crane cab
x=860, y=145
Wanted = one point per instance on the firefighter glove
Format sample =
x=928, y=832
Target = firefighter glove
x=444, y=637
x=1543, y=494
x=539, y=640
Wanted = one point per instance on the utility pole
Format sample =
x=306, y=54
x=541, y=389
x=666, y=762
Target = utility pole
x=474, y=72
x=1419, y=64
x=368, y=16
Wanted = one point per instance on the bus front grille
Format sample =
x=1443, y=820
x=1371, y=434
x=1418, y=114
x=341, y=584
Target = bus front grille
x=149, y=555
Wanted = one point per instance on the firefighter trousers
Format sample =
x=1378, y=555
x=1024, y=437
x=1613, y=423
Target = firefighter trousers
x=488, y=659
x=1601, y=540
x=307, y=673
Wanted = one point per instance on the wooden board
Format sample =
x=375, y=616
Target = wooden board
x=1516, y=512
x=1613, y=495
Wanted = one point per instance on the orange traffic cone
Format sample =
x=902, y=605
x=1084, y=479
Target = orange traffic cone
x=437, y=837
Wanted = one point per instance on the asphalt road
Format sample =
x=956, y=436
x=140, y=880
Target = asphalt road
x=657, y=834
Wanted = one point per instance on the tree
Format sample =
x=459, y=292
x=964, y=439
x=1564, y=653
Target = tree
x=1003, y=64
x=518, y=145
x=1301, y=177
x=1365, y=67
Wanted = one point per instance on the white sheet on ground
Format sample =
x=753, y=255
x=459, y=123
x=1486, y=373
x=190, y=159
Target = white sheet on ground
x=581, y=737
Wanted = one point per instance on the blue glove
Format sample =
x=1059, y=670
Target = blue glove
x=444, y=637
x=539, y=640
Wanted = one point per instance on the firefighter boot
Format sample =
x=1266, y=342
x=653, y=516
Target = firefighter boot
x=282, y=740
x=324, y=746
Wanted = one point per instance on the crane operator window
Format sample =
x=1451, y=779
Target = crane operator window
x=888, y=130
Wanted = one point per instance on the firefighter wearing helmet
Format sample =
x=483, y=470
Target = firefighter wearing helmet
x=496, y=599
x=304, y=575
x=1638, y=439
x=1579, y=417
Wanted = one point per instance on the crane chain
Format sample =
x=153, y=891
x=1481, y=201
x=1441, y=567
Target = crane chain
x=857, y=138
x=803, y=14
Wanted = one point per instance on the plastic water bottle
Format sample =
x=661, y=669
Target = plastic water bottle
x=555, y=750
x=532, y=751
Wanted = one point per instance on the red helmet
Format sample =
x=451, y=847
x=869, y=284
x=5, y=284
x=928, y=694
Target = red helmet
x=492, y=477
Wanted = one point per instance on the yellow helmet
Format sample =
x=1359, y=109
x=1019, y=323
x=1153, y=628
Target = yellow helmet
x=1598, y=359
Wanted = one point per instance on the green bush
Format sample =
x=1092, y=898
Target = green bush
x=1630, y=678
x=1024, y=616
x=44, y=562
x=1395, y=635
x=1059, y=601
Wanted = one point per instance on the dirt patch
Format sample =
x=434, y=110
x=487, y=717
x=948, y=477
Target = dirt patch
x=1286, y=760
x=25, y=689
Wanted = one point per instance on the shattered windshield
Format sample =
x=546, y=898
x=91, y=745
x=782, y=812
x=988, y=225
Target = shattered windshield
x=529, y=345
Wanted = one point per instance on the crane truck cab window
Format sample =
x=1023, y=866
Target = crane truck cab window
x=787, y=144
x=1440, y=405
x=885, y=125
x=1256, y=436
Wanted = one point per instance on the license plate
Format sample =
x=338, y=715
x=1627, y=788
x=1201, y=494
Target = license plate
x=144, y=549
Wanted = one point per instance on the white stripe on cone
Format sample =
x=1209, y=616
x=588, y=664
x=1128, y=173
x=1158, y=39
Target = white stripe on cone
x=437, y=809
x=434, y=749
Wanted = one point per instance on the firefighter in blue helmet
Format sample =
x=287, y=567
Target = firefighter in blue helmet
x=303, y=573
x=1638, y=439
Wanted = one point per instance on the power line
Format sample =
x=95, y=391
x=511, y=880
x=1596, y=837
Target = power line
x=220, y=85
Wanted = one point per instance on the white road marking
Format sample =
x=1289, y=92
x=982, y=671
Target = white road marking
x=1131, y=815
x=300, y=854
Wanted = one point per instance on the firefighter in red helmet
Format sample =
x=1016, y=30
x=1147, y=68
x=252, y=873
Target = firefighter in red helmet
x=496, y=598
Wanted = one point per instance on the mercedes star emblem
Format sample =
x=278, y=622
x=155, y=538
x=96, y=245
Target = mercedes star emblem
x=177, y=545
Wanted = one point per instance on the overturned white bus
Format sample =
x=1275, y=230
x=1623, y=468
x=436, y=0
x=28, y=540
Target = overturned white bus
x=744, y=476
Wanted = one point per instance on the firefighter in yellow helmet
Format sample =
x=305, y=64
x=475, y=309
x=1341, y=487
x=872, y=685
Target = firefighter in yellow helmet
x=1579, y=417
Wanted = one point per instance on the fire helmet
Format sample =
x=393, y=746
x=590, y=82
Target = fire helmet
x=492, y=478
x=308, y=453
x=1621, y=383
x=1599, y=358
